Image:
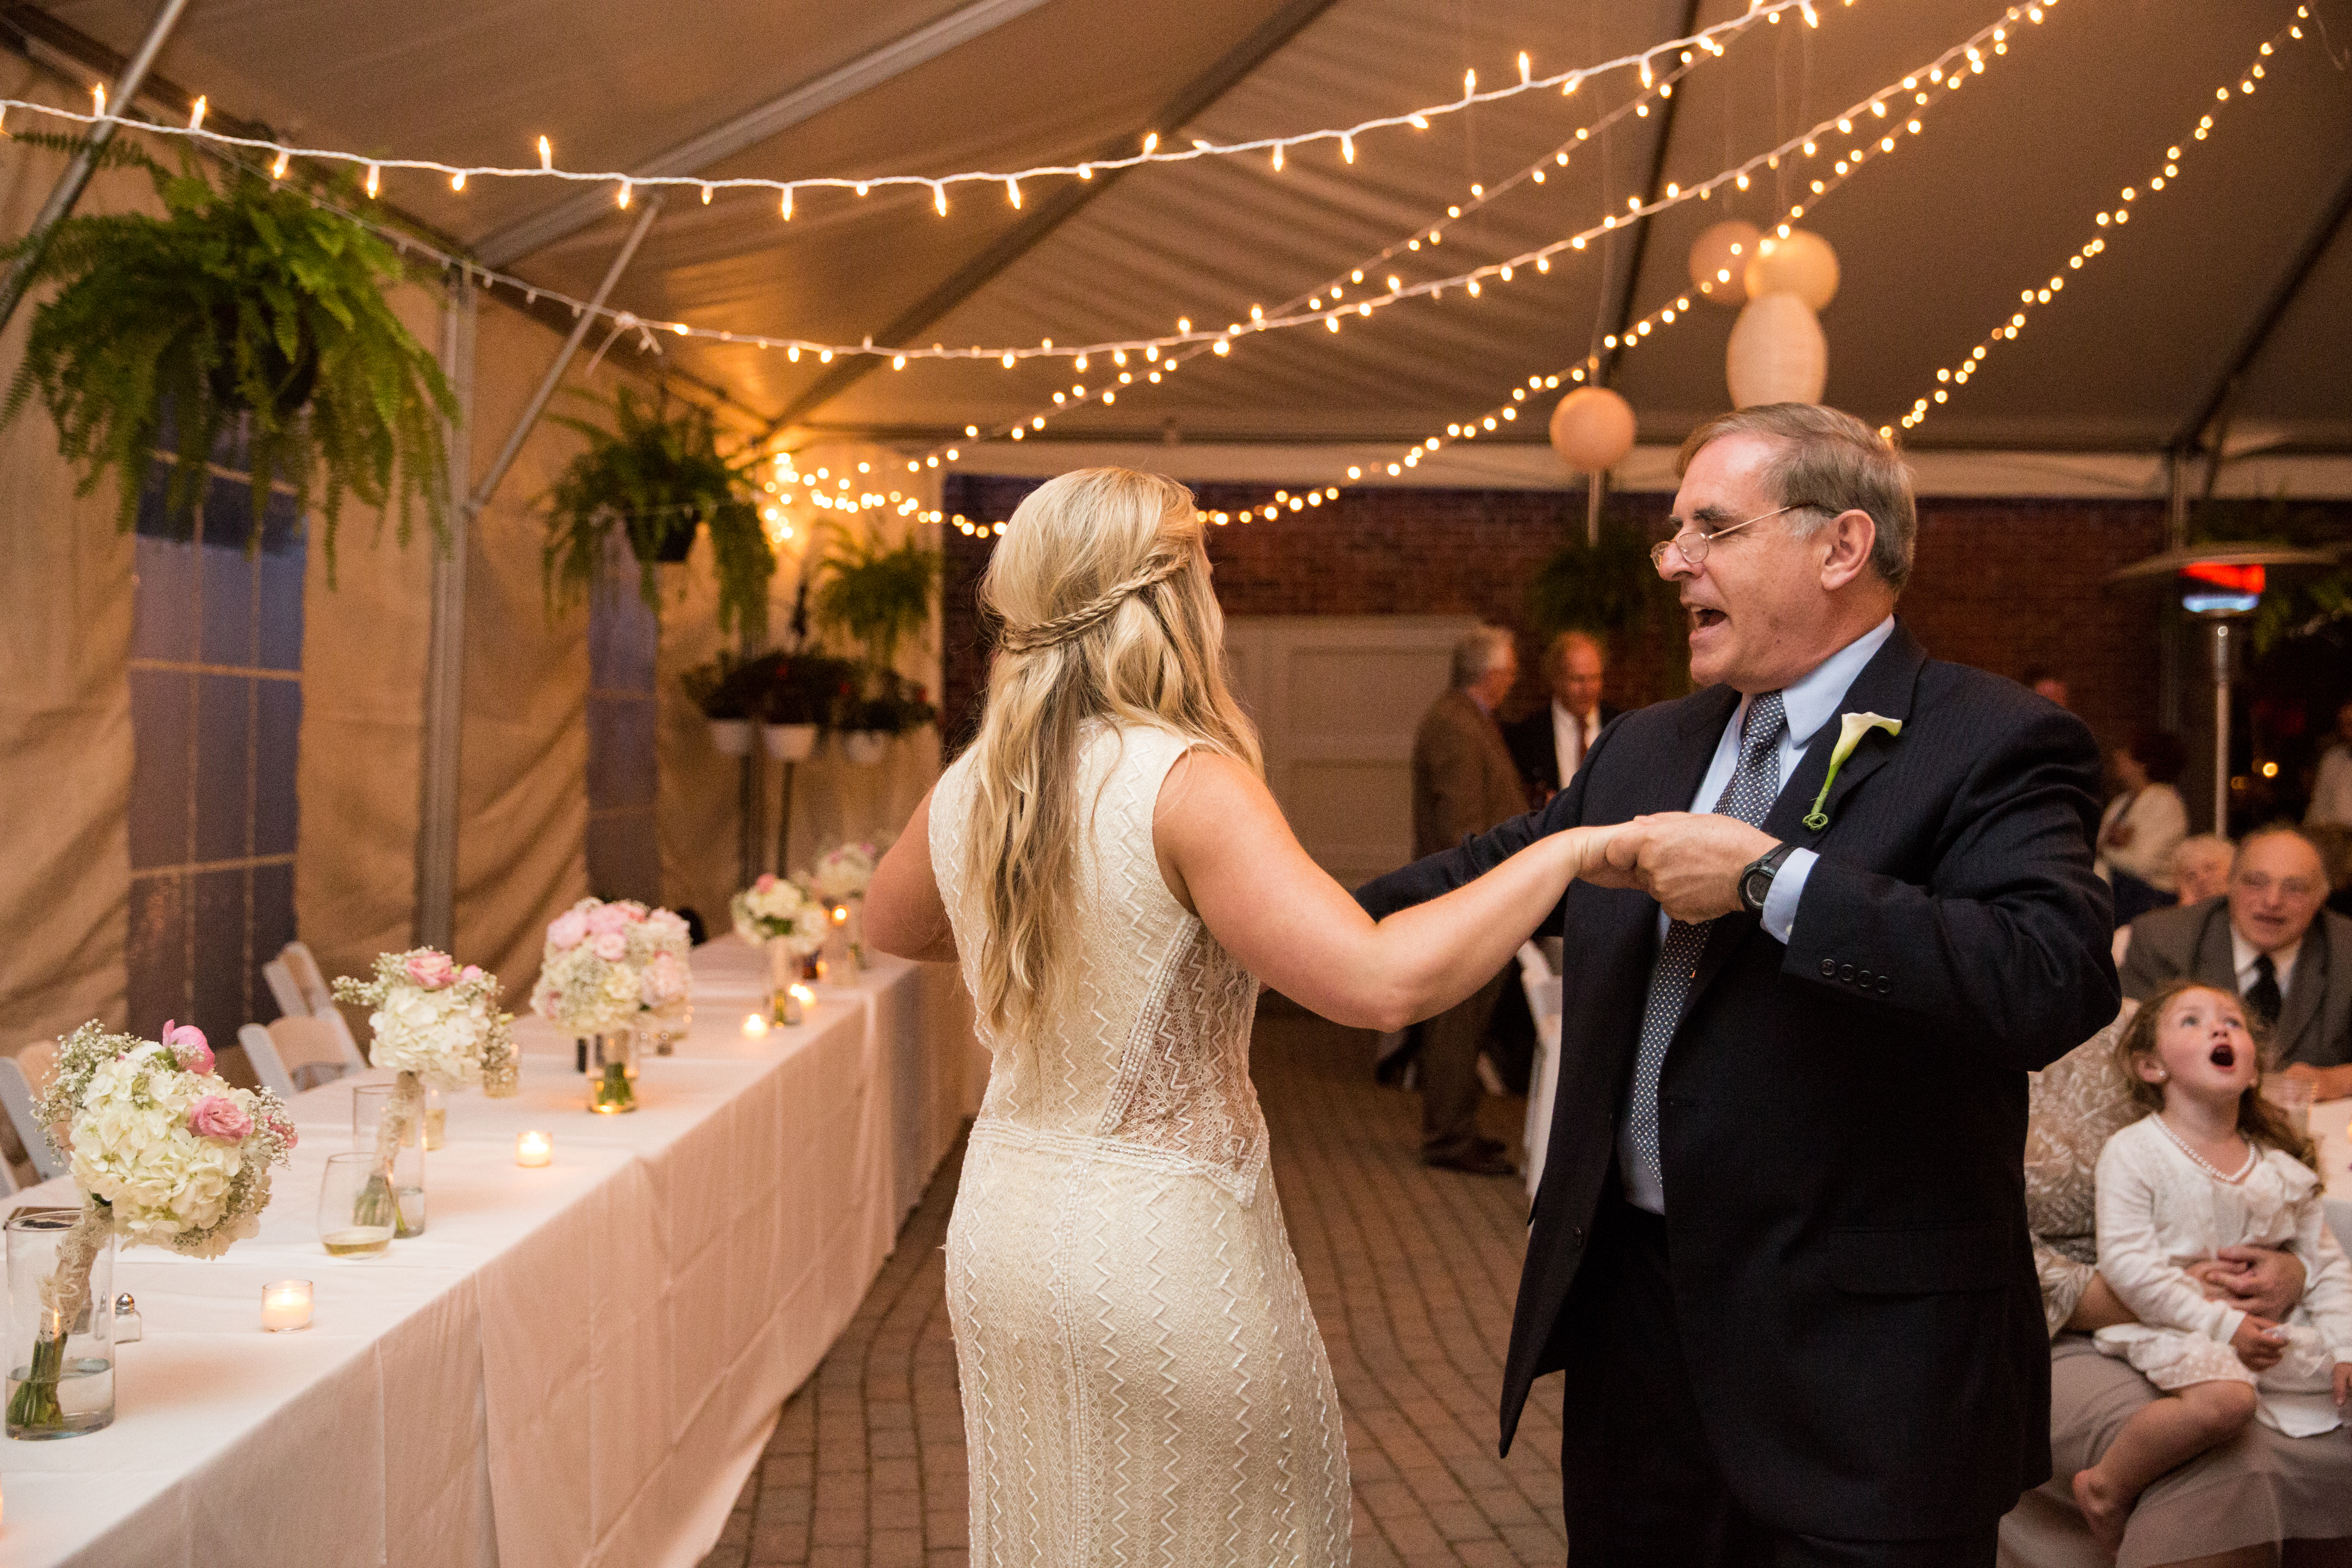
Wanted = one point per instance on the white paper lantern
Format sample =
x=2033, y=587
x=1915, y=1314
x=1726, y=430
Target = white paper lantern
x=1803, y=265
x=1777, y=354
x=1592, y=429
x=1720, y=259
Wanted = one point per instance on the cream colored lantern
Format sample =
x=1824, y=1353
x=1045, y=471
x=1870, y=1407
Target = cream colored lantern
x=1592, y=429
x=1720, y=259
x=1777, y=354
x=1802, y=264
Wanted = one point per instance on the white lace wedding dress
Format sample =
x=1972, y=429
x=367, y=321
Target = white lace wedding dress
x=1142, y=1382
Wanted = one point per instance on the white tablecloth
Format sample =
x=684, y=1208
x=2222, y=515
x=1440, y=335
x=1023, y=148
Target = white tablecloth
x=573, y=1365
x=2328, y=1120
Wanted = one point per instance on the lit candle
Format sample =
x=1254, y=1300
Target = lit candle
x=804, y=996
x=755, y=1026
x=534, y=1149
x=841, y=914
x=286, y=1305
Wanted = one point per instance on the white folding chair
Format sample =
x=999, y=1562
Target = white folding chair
x=22, y=1078
x=1542, y=987
x=290, y=1055
x=301, y=991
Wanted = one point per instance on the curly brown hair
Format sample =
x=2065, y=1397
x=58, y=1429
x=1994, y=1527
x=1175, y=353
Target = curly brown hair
x=2258, y=1119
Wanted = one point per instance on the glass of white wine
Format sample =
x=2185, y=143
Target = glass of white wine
x=351, y=1223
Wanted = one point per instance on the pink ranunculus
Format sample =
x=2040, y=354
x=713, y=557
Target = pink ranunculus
x=610, y=946
x=665, y=982
x=608, y=917
x=566, y=929
x=470, y=973
x=218, y=1116
x=668, y=922
x=767, y=881
x=432, y=970
x=187, y=1045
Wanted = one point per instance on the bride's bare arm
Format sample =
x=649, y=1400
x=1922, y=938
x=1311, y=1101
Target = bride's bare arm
x=903, y=912
x=1229, y=857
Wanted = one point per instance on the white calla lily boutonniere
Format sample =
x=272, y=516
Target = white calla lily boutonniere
x=1852, y=727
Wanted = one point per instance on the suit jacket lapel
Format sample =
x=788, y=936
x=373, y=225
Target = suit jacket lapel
x=2215, y=962
x=2300, y=1008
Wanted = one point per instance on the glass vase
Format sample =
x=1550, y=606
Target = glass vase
x=353, y=1221
x=783, y=974
x=612, y=1073
x=860, y=959
x=60, y=1345
x=388, y=1122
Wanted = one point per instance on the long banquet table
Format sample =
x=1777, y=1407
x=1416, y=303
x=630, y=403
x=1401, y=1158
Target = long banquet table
x=577, y=1365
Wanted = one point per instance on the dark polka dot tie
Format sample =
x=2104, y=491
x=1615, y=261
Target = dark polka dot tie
x=1754, y=785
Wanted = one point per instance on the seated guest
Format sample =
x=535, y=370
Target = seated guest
x=1549, y=744
x=2200, y=868
x=2144, y=825
x=2235, y=1506
x=2269, y=939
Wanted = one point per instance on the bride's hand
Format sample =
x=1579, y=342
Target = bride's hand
x=1586, y=850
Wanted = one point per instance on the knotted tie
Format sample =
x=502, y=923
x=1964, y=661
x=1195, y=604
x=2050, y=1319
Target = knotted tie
x=2262, y=997
x=1754, y=785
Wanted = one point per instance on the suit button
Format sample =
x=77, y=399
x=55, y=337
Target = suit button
x=1862, y=977
x=1845, y=971
x=1828, y=968
x=1576, y=1235
x=1885, y=983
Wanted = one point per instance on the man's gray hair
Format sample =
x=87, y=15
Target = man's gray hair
x=1829, y=462
x=1480, y=650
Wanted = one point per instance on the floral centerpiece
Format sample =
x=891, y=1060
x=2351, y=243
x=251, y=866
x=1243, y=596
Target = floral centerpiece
x=840, y=877
x=165, y=1153
x=607, y=969
x=437, y=1025
x=779, y=914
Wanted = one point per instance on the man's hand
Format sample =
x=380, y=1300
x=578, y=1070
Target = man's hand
x=2326, y=1083
x=2258, y=1343
x=2261, y=1280
x=1689, y=863
x=2343, y=1383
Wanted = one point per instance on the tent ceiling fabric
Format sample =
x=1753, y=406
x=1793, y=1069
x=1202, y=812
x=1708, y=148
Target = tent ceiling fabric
x=1935, y=242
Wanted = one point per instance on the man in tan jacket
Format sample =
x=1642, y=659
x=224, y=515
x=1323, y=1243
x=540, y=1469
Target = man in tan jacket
x=1464, y=783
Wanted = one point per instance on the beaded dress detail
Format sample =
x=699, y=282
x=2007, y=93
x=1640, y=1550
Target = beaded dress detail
x=1142, y=1381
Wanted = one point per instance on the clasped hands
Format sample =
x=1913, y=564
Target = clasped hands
x=1690, y=862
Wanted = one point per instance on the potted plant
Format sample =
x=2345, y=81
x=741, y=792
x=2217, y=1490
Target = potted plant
x=248, y=308
x=657, y=478
x=893, y=706
x=728, y=701
x=873, y=594
x=810, y=693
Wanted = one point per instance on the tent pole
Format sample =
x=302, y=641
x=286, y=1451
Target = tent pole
x=71, y=183
x=2220, y=640
x=482, y=492
x=445, y=660
x=1594, y=486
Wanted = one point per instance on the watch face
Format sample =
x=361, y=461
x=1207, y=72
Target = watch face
x=1754, y=888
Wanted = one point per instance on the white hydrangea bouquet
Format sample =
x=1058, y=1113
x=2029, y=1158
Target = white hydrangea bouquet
x=840, y=879
x=776, y=909
x=605, y=964
x=165, y=1152
x=436, y=1022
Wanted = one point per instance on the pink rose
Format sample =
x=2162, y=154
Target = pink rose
x=606, y=919
x=218, y=1116
x=187, y=1045
x=470, y=973
x=432, y=970
x=610, y=946
x=767, y=881
x=566, y=929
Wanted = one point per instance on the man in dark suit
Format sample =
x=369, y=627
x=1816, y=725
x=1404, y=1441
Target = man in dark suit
x=1779, y=1248
x=1549, y=744
x=1462, y=784
x=2269, y=938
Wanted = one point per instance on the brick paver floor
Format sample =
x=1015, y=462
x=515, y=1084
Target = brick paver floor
x=1411, y=1272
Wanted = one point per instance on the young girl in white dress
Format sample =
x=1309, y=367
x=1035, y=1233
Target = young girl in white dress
x=2214, y=1165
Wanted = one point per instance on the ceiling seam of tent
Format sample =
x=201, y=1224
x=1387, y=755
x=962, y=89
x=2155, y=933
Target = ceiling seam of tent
x=1651, y=188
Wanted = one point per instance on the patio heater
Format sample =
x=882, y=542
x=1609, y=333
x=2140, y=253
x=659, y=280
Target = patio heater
x=2221, y=586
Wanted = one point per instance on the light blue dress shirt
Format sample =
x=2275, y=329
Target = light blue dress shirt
x=1810, y=704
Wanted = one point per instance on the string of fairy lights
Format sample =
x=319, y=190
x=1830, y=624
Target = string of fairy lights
x=1951, y=377
x=1924, y=86
x=1153, y=148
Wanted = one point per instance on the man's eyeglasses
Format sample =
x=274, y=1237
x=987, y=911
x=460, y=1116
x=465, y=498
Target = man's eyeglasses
x=1692, y=544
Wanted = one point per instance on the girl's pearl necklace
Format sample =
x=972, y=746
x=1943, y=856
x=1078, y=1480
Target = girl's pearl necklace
x=2252, y=1155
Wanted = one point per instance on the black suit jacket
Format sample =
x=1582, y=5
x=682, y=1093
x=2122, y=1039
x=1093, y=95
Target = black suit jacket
x=1843, y=1118
x=1536, y=751
x=2314, y=1021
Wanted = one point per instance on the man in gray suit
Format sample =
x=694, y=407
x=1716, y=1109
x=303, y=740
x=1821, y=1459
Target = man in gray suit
x=2269, y=938
x=1464, y=783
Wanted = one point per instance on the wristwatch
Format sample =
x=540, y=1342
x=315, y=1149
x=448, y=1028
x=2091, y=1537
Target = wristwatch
x=1756, y=882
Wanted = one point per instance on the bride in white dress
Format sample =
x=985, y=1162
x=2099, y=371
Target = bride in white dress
x=1142, y=1381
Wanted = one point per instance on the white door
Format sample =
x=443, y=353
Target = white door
x=1337, y=700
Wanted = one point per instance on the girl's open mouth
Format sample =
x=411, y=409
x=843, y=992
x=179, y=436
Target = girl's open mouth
x=2224, y=1056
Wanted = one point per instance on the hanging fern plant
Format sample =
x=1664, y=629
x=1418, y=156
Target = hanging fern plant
x=245, y=308
x=875, y=593
x=657, y=477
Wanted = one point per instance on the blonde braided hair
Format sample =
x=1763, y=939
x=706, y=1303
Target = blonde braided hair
x=1106, y=567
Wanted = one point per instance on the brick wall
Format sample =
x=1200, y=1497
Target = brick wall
x=2002, y=584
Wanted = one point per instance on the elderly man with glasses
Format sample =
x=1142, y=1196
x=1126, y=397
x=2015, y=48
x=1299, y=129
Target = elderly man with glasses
x=1780, y=1247
x=2269, y=938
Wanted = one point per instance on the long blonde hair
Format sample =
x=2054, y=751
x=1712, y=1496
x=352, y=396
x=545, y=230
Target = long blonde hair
x=1101, y=585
